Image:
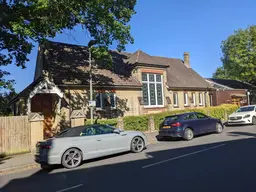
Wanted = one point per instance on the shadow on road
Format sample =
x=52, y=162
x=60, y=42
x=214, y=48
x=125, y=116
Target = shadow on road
x=3, y=159
x=220, y=166
x=238, y=133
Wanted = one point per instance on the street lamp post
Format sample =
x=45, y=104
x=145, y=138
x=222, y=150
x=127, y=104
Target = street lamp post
x=90, y=44
x=90, y=74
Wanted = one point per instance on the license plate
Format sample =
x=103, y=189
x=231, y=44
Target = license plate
x=166, y=127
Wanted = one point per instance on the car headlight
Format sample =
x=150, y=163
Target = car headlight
x=246, y=116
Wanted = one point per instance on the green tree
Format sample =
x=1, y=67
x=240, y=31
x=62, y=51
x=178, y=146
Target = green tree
x=5, y=98
x=23, y=22
x=239, y=56
x=220, y=73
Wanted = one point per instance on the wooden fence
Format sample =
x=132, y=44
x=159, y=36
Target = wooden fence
x=14, y=134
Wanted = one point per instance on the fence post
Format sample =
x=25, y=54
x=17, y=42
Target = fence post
x=151, y=124
x=120, y=123
x=77, y=118
x=36, y=130
x=225, y=115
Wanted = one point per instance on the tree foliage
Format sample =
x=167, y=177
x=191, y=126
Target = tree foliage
x=239, y=56
x=220, y=73
x=23, y=22
x=5, y=98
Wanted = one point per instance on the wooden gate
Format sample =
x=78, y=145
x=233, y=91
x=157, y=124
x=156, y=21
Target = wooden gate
x=14, y=134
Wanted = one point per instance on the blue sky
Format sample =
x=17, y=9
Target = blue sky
x=170, y=28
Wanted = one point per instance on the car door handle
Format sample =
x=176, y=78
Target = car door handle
x=98, y=139
x=123, y=134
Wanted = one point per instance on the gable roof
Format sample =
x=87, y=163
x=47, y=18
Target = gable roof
x=234, y=84
x=68, y=64
x=139, y=57
x=180, y=76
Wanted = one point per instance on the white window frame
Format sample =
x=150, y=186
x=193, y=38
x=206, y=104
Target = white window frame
x=185, y=96
x=101, y=101
x=200, y=99
x=153, y=82
x=194, y=99
x=175, y=98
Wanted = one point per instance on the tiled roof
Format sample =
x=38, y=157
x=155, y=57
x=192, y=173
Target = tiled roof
x=235, y=84
x=68, y=64
x=180, y=76
x=139, y=57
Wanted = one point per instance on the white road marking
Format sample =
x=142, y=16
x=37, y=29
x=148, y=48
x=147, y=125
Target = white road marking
x=164, y=161
x=70, y=188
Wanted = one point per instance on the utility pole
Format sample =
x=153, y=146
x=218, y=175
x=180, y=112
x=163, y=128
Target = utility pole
x=90, y=73
x=90, y=44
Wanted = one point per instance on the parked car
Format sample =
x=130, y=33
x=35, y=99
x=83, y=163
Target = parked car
x=74, y=145
x=188, y=125
x=244, y=115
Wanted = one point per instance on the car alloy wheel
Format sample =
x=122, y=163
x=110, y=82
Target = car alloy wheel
x=189, y=134
x=72, y=158
x=137, y=144
x=254, y=120
x=219, y=128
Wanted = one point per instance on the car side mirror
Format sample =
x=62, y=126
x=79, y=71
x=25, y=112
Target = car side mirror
x=117, y=131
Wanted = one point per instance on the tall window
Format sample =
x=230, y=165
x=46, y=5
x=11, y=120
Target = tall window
x=175, y=99
x=200, y=99
x=185, y=99
x=194, y=99
x=104, y=100
x=152, y=88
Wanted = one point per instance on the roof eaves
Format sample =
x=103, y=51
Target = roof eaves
x=102, y=86
x=187, y=88
x=247, y=83
x=224, y=86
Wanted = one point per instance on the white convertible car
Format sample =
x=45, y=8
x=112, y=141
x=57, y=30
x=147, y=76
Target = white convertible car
x=73, y=145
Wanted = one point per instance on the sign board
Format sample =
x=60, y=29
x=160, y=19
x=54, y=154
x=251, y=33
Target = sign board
x=92, y=103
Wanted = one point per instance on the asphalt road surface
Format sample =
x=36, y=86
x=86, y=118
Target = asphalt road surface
x=209, y=163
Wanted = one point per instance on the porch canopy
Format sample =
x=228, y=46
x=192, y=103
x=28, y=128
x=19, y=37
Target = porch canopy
x=40, y=86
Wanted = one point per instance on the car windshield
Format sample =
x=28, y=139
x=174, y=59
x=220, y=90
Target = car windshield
x=246, y=109
x=171, y=118
x=71, y=132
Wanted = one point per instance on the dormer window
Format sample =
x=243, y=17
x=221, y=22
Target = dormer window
x=152, y=88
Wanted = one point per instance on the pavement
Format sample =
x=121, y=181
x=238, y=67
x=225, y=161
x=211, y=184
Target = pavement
x=214, y=162
x=16, y=163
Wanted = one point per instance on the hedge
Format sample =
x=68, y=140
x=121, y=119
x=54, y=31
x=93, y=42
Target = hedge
x=140, y=123
x=112, y=122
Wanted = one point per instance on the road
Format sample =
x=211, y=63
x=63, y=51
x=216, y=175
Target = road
x=211, y=163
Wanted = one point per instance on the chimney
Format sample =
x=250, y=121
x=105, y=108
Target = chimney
x=187, y=59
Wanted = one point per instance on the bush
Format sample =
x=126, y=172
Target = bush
x=112, y=122
x=139, y=123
